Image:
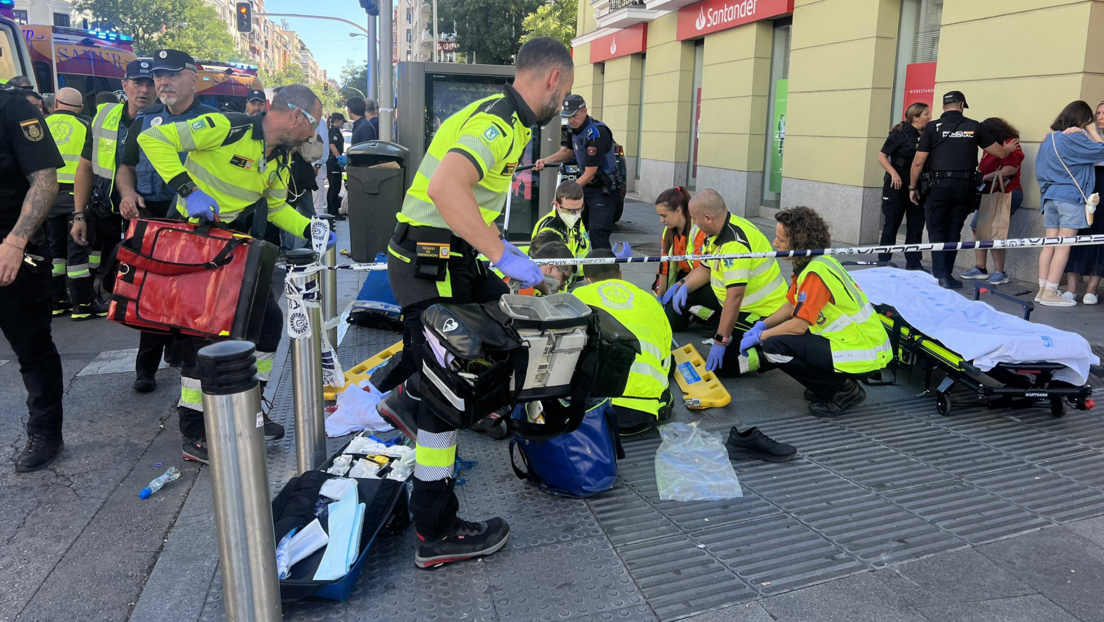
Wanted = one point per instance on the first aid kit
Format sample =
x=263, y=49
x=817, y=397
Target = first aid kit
x=195, y=280
x=554, y=329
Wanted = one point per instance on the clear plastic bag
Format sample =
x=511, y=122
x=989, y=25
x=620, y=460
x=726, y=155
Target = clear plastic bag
x=692, y=465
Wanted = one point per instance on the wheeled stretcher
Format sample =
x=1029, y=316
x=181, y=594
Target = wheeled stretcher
x=994, y=379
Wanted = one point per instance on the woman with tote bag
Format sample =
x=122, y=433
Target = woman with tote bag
x=998, y=201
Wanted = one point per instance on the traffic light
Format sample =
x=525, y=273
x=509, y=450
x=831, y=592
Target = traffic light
x=326, y=87
x=370, y=7
x=245, y=17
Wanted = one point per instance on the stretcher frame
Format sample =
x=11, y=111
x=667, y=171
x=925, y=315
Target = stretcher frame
x=1007, y=385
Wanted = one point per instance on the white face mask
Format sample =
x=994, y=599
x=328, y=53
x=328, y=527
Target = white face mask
x=570, y=219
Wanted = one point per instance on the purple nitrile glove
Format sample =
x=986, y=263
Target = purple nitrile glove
x=518, y=266
x=331, y=241
x=677, y=295
x=752, y=337
x=622, y=250
x=201, y=205
x=715, y=360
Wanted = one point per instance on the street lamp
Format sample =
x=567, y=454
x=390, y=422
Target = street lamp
x=358, y=34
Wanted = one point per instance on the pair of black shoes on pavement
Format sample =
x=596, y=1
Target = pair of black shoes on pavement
x=754, y=445
x=195, y=449
x=40, y=452
x=852, y=395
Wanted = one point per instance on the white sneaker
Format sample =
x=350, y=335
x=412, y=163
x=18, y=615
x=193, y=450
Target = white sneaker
x=1071, y=296
x=1090, y=299
x=1050, y=298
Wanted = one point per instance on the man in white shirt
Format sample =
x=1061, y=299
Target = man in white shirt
x=320, y=170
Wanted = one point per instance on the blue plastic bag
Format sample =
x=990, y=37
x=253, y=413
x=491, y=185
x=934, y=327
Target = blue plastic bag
x=375, y=305
x=580, y=464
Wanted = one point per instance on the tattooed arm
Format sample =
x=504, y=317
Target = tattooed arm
x=36, y=206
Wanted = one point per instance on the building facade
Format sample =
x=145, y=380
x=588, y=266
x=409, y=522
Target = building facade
x=50, y=12
x=413, y=32
x=777, y=103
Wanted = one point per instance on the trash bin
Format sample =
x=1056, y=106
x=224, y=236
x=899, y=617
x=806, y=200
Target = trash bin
x=377, y=183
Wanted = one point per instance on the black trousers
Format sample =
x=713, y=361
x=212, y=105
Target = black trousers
x=807, y=359
x=151, y=346
x=25, y=314
x=433, y=502
x=272, y=329
x=948, y=204
x=333, y=194
x=103, y=235
x=896, y=206
x=703, y=296
x=55, y=252
x=599, y=209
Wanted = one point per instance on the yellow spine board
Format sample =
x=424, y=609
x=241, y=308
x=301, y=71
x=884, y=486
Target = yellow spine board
x=700, y=389
x=361, y=372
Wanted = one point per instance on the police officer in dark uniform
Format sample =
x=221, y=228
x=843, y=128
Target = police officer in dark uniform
x=256, y=102
x=29, y=162
x=896, y=158
x=950, y=182
x=592, y=146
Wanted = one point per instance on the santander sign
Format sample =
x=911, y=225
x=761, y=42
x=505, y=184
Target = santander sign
x=716, y=15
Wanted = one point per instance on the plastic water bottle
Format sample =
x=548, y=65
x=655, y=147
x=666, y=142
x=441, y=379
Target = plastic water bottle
x=171, y=475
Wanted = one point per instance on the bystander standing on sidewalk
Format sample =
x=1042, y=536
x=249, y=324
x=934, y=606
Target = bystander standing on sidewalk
x=1007, y=169
x=1088, y=260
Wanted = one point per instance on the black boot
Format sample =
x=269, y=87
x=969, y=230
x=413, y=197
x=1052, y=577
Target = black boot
x=754, y=445
x=40, y=452
x=852, y=395
x=464, y=540
x=145, y=382
x=400, y=408
x=89, y=311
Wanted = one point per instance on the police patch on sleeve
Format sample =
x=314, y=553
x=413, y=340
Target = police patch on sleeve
x=32, y=129
x=197, y=124
x=592, y=151
x=491, y=133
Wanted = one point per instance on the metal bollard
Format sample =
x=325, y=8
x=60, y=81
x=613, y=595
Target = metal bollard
x=239, y=480
x=306, y=373
x=329, y=286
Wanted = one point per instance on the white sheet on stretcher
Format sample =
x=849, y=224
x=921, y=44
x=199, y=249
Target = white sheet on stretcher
x=977, y=332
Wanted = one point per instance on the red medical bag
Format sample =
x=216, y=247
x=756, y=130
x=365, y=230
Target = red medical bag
x=196, y=280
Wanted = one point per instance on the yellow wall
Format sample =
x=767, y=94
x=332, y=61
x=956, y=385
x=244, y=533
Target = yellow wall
x=842, y=57
x=588, y=79
x=735, y=89
x=1033, y=79
x=667, y=84
x=621, y=101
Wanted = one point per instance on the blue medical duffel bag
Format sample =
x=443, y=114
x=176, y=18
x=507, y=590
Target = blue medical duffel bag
x=579, y=464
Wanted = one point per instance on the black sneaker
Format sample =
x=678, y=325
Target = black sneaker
x=195, y=450
x=853, y=395
x=400, y=409
x=89, y=311
x=273, y=431
x=810, y=396
x=145, y=383
x=61, y=307
x=754, y=445
x=40, y=452
x=464, y=540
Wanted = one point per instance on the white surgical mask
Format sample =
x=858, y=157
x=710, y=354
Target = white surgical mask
x=570, y=219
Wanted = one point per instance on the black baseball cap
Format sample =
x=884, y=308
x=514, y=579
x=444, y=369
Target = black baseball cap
x=256, y=95
x=141, y=68
x=955, y=97
x=172, y=60
x=572, y=104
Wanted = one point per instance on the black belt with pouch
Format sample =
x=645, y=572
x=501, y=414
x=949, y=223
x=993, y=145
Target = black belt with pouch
x=432, y=248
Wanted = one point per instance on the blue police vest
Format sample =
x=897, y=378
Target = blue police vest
x=150, y=185
x=578, y=144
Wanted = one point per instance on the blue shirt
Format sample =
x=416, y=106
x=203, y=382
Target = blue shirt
x=1079, y=153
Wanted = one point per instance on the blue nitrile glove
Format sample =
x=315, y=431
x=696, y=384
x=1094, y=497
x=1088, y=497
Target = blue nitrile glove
x=332, y=241
x=342, y=160
x=676, y=295
x=517, y=265
x=752, y=337
x=716, y=357
x=624, y=252
x=201, y=205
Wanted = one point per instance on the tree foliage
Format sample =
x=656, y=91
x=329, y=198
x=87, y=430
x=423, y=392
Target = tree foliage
x=292, y=74
x=555, y=19
x=191, y=26
x=354, y=76
x=488, y=31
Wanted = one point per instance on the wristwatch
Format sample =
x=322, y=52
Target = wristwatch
x=721, y=339
x=187, y=189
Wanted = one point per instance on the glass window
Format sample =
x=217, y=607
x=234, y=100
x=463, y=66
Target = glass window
x=776, y=113
x=61, y=19
x=917, y=43
x=640, y=126
x=20, y=17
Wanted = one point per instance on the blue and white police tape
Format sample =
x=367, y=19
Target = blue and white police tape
x=1077, y=240
x=302, y=293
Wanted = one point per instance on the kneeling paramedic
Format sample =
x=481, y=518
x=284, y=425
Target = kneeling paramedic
x=748, y=289
x=447, y=220
x=237, y=169
x=647, y=397
x=566, y=221
x=827, y=331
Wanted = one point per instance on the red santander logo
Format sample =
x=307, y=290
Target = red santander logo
x=716, y=15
